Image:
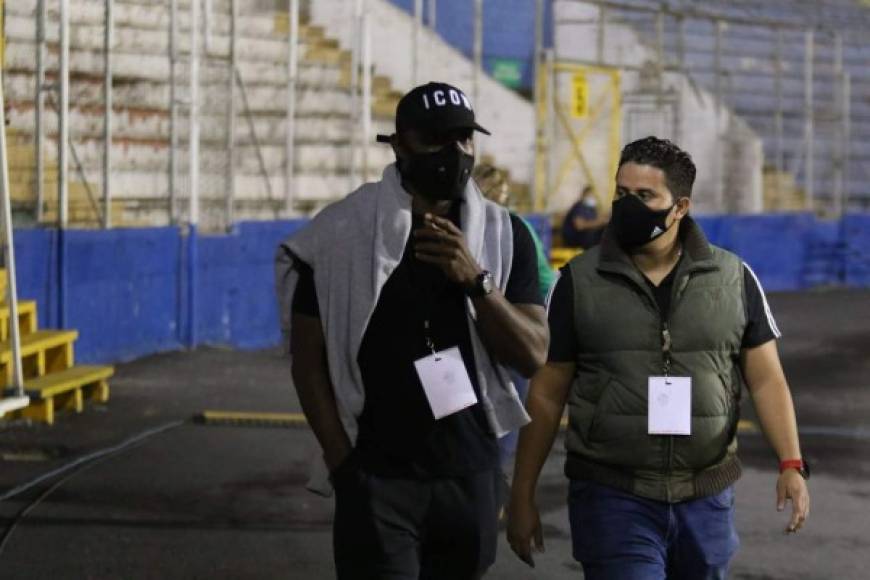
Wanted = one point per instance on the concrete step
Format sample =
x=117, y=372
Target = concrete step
x=154, y=16
x=133, y=186
x=130, y=66
x=323, y=97
x=137, y=127
x=91, y=36
x=152, y=127
x=315, y=157
x=86, y=215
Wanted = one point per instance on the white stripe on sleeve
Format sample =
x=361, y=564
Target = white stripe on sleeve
x=770, y=321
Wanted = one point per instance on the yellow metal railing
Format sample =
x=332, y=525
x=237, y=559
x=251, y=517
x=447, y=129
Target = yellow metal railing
x=606, y=106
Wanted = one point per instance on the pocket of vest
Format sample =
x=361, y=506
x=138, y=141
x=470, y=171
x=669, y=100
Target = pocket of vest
x=585, y=395
x=604, y=380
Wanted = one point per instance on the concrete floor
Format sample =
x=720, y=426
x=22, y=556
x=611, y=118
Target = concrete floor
x=228, y=502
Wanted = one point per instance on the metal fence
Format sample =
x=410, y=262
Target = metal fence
x=706, y=48
x=185, y=105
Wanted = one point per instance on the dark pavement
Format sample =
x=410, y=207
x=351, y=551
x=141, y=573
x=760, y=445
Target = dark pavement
x=228, y=501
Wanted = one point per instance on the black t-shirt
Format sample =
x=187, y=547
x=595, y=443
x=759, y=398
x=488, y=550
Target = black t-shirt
x=398, y=434
x=760, y=325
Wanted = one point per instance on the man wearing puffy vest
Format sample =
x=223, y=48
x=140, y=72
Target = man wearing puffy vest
x=653, y=334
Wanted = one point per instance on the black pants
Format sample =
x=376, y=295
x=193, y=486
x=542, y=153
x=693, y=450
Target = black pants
x=409, y=529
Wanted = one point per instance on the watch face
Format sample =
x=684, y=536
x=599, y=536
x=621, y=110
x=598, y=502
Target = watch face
x=486, y=283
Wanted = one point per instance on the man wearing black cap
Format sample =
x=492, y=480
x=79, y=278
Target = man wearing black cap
x=405, y=304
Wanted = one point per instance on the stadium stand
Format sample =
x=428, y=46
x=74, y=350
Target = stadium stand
x=748, y=62
x=141, y=112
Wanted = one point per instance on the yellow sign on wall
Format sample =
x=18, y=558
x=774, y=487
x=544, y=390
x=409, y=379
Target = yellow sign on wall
x=579, y=96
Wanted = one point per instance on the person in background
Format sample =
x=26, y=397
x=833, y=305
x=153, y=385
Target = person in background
x=493, y=185
x=583, y=224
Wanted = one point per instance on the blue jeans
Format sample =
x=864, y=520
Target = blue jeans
x=620, y=536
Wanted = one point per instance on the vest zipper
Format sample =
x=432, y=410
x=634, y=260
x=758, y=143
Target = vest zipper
x=666, y=371
x=680, y=285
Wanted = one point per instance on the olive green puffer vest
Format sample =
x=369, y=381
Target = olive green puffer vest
x=621, y=337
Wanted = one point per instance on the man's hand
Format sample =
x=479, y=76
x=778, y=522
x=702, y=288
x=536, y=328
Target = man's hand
x=441, y=243
x=524, y=526
x=791, y=485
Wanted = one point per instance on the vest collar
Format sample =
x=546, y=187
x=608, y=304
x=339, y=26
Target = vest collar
x=697, y=253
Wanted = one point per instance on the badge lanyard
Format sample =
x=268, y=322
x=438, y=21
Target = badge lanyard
x=666, y=350
x=430, y=294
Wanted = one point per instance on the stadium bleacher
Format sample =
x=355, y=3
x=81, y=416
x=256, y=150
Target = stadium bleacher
x=748, y=61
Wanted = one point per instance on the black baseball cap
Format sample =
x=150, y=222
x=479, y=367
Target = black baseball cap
x=434, y=108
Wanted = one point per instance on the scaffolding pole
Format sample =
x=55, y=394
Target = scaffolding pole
x=40, y=110
x=660, y=58
x=18, y=400
x=809, y=121
x=719, y=192
x=107, y=113
x=353, y=134
x=538, y=95
x=193, y=211
x=778, y=113
x=173, y=111
x=838, y=143
x=292, y=80
x=415, y=42
x=681, y=42
x=230, y=193
x=366, y=108
x=63, y=119
x=478, y=50
x=601, y=34
x=847, y=138
x=551, y=119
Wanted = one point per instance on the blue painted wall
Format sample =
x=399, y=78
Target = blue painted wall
x=127, y=289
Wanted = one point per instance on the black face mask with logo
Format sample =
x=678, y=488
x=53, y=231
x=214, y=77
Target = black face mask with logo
x=634, y=224
x=440, y=175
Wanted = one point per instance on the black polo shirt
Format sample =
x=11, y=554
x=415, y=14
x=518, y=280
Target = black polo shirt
x=398, y=435
x=760, y=325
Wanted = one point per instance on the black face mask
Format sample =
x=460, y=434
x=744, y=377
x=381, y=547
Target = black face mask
x=441, y=175
x=634, y=224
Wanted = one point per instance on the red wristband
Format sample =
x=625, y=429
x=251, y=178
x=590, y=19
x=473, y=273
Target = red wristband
x=797, y=464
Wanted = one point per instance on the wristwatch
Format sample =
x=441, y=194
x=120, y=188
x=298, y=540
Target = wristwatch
x=799, y=465
x=483, y=285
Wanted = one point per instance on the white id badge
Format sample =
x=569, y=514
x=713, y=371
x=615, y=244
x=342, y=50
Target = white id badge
x=670, y=406
x=446, y=382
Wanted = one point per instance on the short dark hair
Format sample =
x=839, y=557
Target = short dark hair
x=676, y=164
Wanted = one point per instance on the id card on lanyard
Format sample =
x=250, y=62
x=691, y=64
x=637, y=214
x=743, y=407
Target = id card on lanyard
x=446, y=382
x=669, y=399
x=670, y=406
